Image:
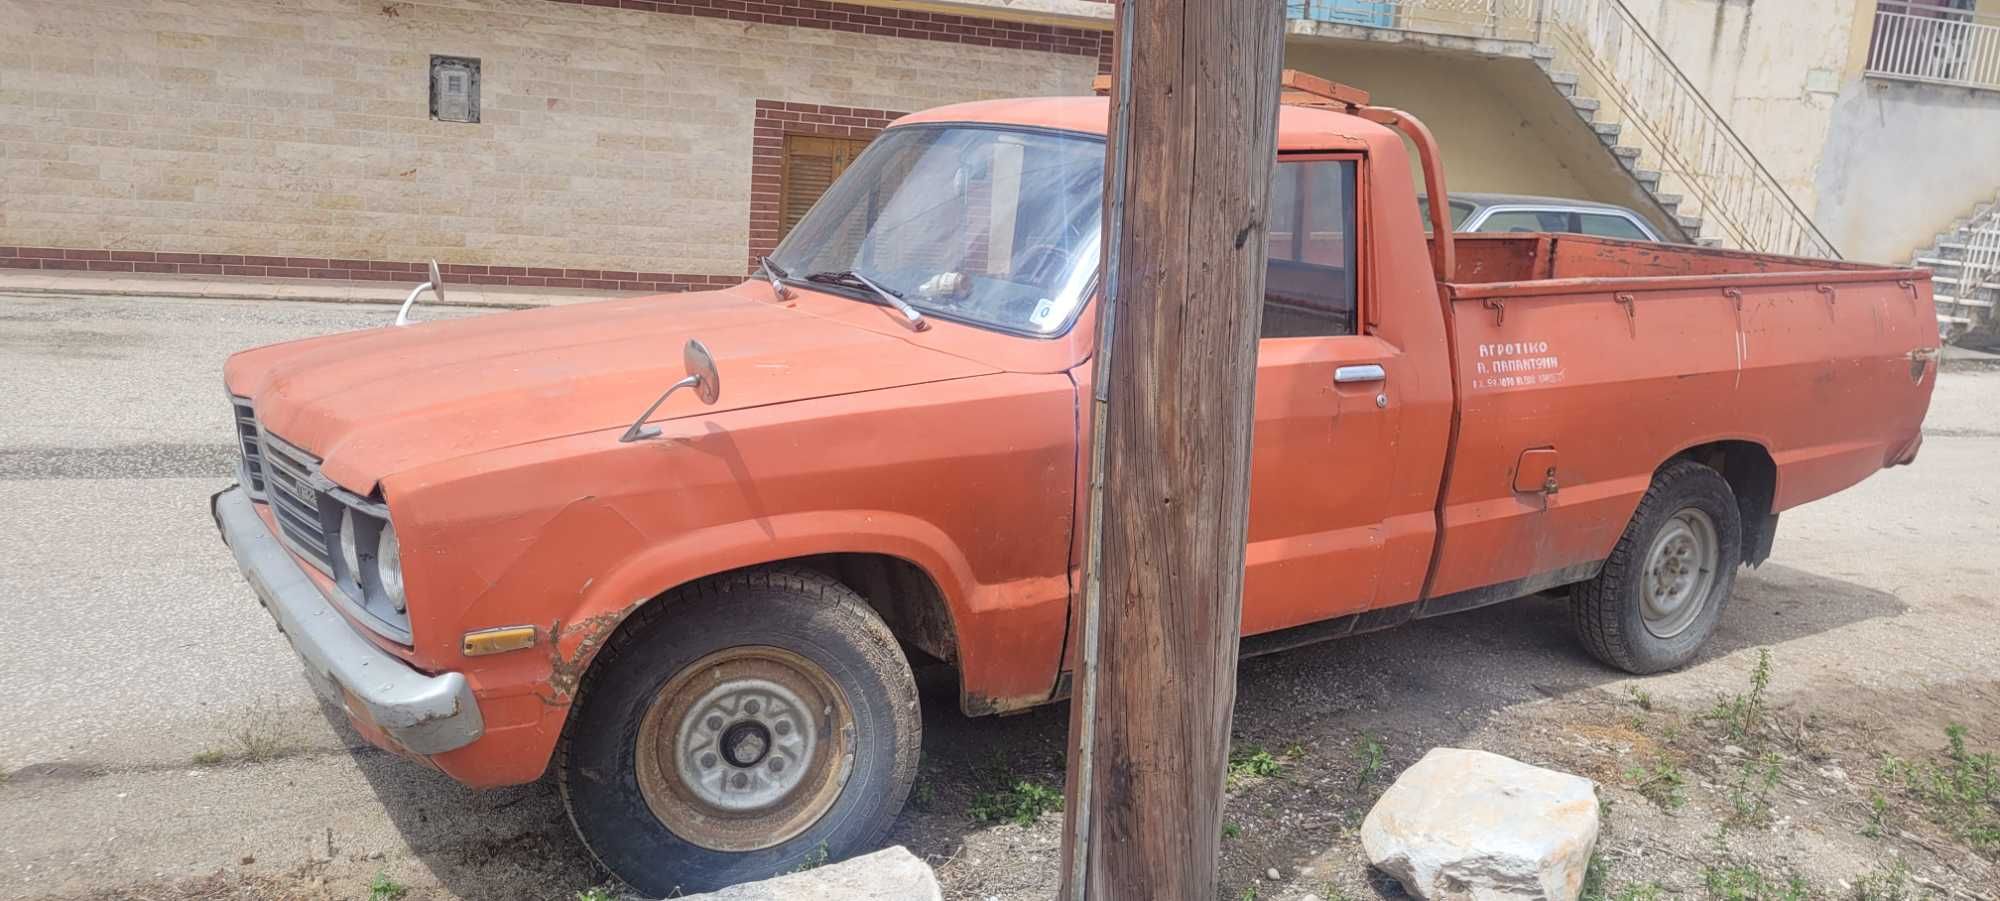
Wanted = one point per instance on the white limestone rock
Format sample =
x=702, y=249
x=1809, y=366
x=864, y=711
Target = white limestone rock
x=1472, y=826
x=891, y=874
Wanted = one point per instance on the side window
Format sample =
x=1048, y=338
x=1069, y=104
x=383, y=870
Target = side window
x=1309, y=284
x=1527, y=221
x=1612, y=227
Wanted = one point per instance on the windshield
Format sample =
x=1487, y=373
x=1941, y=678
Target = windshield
x=986, y=225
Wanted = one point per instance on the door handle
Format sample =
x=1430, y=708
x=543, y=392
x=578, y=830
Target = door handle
x=1349, y=375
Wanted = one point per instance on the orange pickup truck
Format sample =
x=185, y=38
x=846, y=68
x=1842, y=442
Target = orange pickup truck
x=701, y=614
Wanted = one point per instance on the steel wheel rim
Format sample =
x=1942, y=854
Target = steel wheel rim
x=1680, y=573
x=745, y=749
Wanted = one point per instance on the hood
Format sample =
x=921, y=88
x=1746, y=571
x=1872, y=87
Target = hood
x=379, y=401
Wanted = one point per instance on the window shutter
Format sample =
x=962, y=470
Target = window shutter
x=811, y=165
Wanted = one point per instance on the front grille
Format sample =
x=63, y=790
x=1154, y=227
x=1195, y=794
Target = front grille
x=306, y=518
x=251, y=446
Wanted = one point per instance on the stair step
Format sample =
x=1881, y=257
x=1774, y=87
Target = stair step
x=1625, y=153
x=1647, y=177
x=1541, y=52
x=1586, y=104
x=1607, y=129
x=1689, y=224
x=1668, y=199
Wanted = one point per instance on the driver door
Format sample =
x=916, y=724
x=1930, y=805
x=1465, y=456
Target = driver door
x=1323, y=458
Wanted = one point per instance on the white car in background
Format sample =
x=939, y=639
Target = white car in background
x=1519, y=213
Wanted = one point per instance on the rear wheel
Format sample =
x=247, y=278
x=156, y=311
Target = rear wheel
x=1661, y=592
x=746, y=724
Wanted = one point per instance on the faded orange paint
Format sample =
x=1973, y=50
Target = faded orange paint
x=494, y=440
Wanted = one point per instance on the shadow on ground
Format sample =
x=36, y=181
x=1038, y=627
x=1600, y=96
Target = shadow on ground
x=1425, y=685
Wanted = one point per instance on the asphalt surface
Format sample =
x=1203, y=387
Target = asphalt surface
x=133, y=658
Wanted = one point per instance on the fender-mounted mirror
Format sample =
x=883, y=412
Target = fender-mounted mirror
x=701, y=376
x=435, y=286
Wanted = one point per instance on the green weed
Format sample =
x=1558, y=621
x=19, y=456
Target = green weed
x=1891, y=883
x=1663, y=783
x=1750, y=790
x=1022, y=804
x=382, y=888
x=1252, y=762
x=1878, y=816
x=1742, y=882
x=1370, y=754
x=1960, y=792
x=1744, y=715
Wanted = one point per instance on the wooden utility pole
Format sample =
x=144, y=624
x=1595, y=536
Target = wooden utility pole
x=1193, y=137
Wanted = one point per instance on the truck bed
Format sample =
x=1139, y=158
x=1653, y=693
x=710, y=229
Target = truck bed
x=1797, y=377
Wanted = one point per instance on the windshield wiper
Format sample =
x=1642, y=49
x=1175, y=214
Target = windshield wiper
x=851, y=278
x=772, y=274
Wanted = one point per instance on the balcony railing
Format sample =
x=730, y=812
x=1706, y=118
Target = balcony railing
x=1510, y=20
x=1919, y=42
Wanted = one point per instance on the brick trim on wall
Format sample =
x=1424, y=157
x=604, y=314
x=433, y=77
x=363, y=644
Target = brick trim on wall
x=774, y=120
x=247, y=266
x=882, y=20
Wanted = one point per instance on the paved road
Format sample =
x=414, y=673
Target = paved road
x=129, y=646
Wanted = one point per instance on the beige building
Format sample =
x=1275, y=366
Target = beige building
x=640, y=144
x=638, y=147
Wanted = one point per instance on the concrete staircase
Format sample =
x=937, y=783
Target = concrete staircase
x=1962, y=307
x=1676, y=144
x=1649, y=115
x=1590, y=109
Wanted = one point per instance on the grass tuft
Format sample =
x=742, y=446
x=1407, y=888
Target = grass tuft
x=1022, y=804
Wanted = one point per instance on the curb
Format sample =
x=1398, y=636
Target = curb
x=468, y=296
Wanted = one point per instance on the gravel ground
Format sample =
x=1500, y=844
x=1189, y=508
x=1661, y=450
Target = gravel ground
x=160, y=743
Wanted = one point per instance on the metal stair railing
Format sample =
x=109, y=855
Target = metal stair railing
x=1692, y=139
x=1980, y=268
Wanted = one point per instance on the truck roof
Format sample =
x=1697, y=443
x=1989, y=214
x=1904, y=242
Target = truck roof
x=1299, y=127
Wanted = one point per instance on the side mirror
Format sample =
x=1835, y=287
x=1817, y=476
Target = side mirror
x=435, y=286
x=701, y=376
x=700, y=365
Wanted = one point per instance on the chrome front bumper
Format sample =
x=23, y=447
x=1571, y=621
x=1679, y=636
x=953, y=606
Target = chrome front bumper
x=424, y=714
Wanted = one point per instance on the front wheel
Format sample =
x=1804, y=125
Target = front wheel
x=1661, y=592
x=743, y=726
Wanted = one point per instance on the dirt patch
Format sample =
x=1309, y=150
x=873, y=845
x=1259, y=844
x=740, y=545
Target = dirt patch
x=1741, y=796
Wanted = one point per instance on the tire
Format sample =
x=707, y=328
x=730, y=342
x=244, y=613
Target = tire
x=738, y=728
x=1662, y=549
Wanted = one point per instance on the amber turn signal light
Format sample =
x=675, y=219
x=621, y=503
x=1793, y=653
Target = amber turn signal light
x=495, y=641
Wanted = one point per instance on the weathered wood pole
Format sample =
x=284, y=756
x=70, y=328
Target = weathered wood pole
x=1193, y=137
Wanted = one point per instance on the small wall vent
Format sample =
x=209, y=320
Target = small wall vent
x=454, y=89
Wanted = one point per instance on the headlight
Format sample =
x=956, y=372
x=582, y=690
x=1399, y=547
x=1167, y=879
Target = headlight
x=350, y=546
x=389, y=567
